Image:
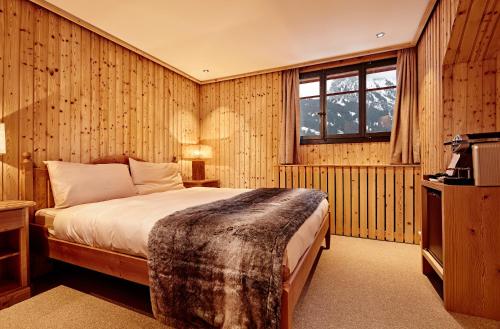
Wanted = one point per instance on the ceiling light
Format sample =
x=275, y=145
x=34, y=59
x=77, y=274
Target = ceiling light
x=380, y=34
x=206, y=70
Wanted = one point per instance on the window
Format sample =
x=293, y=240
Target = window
x=348, y=104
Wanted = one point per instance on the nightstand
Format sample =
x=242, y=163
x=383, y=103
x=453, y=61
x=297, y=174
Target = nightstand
x=202, y=183
x=14, y=252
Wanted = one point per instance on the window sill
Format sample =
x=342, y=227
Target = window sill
x=348, y=140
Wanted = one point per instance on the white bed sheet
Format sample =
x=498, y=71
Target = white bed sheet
x=123, y=225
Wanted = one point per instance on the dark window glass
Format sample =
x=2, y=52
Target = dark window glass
x=348, y=104
x=309, y=117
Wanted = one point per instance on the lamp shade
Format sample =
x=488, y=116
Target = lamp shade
x=196, y=152
x=2, y=138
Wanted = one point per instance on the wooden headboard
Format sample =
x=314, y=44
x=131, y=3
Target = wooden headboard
x=35, y=181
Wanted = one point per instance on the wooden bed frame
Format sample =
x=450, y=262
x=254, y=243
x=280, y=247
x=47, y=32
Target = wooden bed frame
x=36, y=186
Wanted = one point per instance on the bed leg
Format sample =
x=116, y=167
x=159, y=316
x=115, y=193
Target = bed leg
x=327, y=238
x=286, y=312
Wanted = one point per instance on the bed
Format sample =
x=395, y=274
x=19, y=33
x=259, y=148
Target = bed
x=62, y=236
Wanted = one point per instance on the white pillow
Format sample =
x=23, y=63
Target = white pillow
x=77, y=183
x=152, y=177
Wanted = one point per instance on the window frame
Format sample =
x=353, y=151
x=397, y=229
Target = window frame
x=362, y=136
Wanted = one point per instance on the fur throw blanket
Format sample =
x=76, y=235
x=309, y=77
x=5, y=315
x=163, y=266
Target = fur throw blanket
x=219, y=265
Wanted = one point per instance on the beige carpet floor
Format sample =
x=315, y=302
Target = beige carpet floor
x=362, y=283
x=357, y=284
x=66, y=308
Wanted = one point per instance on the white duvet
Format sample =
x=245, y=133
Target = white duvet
x=123, y=225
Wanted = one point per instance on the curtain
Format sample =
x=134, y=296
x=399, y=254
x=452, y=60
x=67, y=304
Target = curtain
x=405, y=135
x=290, y=128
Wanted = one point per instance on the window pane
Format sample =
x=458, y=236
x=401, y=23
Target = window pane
x=341, y=82
x=309, y=118
x=379, y=110
x=343, y=114
x=379, y=77
x=309, y=88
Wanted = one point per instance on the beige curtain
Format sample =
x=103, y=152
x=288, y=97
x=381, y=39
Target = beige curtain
x=405, y=135
x=290, y=128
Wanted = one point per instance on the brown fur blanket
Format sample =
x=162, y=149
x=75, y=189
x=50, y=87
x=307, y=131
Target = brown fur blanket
x=219, y=265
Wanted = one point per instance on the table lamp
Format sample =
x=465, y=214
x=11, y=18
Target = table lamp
x=2, y=138
x=197, y=153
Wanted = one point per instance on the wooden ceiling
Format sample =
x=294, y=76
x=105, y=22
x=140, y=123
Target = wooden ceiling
x=475, y=35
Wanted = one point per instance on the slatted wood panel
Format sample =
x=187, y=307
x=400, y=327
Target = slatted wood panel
x=431, y=50
x=240, y=119
x=458, y=69
x=67, y=93
x=376, y=202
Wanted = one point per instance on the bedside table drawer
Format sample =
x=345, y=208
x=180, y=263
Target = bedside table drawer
x=11, y=220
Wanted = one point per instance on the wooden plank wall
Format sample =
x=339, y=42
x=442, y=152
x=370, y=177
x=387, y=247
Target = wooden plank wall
x=240, y=119
x=471, y=71
x=458, y=70
x=431, y=49
x=376, y=202
x=67, y=93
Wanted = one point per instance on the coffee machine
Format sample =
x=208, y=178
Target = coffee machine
x=475, y=160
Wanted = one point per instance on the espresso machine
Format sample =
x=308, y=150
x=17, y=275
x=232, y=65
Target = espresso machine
x=475, y=160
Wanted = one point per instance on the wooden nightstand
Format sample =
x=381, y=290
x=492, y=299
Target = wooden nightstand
x=202, y=183
x=14, y=278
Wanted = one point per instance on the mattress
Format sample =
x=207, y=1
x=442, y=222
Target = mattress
x=123, y=225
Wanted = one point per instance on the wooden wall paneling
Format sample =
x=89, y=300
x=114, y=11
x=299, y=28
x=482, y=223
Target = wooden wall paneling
x=309, y=177
x=346, y=173
x=3, y=13
x=73, y=95
x=95, y=106
x=316, y=178
x=389, y=204
x=409, y=209
x=159, y=145
x=471, y=29
x=144, y=120
x=127, y=108
x=399, y=203
x=103, y=97
x=75, y=84
x=339, y=202
x=231, y=132
x=372, y=203
x=331, y=196
x=171, y=107
x=448, y=106
x=355, y=190
x=376, y=202
x=85, y=97
x=11, y=100
x=363, y=202
x=241, y=133
x=488, y=78
x=418, y=205
x=139, y=108
x=486, y=30
x=381, y=198
x=27, y=75
x=53, y=87
x=252, y=152
x=269, y=130
x=497, y=87
x=150, y=121
x=118, y=73
x=277, y=105
x=474, y=97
